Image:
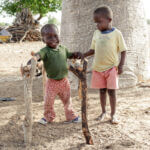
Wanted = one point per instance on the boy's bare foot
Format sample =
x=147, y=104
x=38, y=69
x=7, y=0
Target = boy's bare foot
x=114, y=120
x=101, y=117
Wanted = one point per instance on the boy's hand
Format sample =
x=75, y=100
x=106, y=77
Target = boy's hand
x=35, y=56
x=120, y=69
x=78, y=55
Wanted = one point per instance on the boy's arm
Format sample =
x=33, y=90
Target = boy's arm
x=122, y=61
x=37, y=55
x=76, y=55
x=79, y=55
x=89, y=53
x=121, y=48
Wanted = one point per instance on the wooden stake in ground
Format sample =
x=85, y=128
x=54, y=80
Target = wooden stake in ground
x=44, y=81
x=81, y=74
x=28, y=73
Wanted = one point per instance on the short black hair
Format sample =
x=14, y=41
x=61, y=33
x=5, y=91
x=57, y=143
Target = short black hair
x=104, y=11
x=48, y=27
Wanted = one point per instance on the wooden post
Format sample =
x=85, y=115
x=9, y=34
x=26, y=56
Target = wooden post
x=44, y=81
x=81, y=74
x=28, y=74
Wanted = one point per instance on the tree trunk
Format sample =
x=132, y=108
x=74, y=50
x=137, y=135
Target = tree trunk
x=25, y=27
x=25, y=18
x=78, y=28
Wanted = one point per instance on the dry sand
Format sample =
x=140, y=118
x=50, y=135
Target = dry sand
x=133, y=111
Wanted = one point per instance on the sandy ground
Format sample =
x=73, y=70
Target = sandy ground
x=133, y=111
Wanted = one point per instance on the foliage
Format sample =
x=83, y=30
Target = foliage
x=53, y=20
x=3, y=24
x=41, y=7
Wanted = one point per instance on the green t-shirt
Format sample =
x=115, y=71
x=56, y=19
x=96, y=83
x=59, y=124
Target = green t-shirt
x=55, y=61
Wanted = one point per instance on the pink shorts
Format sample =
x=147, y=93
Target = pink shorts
x=107, y=79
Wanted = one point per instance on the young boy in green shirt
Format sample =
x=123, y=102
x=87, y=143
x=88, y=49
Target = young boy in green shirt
x=54, y=57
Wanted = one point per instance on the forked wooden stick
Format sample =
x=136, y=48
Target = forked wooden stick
x=81, y=74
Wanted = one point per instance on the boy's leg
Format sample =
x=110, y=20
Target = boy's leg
x=65, y=96
x=112, y=97
x=51, y=92
x=103, y=94
x=112, y=85
x=99, y=82
x=103, y=99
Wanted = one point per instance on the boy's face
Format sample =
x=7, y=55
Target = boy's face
x=102, y=22
x=51, y=38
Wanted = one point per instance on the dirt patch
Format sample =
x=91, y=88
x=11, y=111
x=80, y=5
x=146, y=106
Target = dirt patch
x=133, y=111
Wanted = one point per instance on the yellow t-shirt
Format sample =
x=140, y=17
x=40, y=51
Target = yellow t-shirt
x=107, y=46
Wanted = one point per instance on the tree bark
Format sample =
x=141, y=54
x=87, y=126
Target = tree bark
x=28, y=82
x=25, y=18
x=80, y=89
x=24, y=27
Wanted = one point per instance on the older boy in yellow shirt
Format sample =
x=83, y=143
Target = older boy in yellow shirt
x=107, y=43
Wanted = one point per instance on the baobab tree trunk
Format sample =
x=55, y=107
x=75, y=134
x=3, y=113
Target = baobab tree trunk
x=77, y=30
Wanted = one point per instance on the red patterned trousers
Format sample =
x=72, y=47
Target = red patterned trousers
x=62, y=89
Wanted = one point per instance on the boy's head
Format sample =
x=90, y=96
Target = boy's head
x=103, y=17
x=50, y=36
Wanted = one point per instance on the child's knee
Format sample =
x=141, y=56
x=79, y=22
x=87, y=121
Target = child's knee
x=103, y=91
x=112, y=93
